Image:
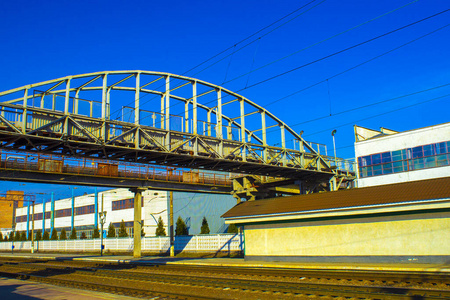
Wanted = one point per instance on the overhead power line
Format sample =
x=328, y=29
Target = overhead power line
x=232, y=47
x=381, y=114
x=354, y=67
x=345, y=49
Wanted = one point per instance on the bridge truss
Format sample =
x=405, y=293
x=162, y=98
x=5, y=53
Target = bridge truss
x=158, y=118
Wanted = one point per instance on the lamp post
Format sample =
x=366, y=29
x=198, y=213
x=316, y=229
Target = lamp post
x=102, y=216
x=334, y=146
x=14, y=236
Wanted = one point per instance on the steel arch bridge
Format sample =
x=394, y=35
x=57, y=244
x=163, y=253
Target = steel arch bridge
x=157, y=118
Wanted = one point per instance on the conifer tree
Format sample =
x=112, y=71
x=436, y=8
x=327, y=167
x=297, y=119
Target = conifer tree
x=232, y=228
x=96, y=233
x=181, y=228
x=46, y=236
x=54, y=236
x=73, y=234
x=38, y=235
x=83, y=236
x=122, y=230
x=1, y=236
x=63, y=235
x=11, y=236
x=111, y=231
x=205, y=227
x=30, y=234
x=23, y=236
x=160, y=230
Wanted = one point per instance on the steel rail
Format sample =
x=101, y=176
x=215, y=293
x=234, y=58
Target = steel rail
x=260, y=285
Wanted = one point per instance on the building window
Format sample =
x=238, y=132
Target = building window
x=63, y=213
x=125, y=204
x=416, y=158
x=84, y=210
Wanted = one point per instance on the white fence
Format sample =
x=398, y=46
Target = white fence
x=200, y=243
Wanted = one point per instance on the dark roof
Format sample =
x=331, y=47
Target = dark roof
x=430, y=189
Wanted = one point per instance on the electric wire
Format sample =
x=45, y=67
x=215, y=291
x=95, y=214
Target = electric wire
x=245, y=39
x=322, y=41
x=381, y=114
x=357, y=26
x=339, y=52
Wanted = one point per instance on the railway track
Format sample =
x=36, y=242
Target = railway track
x=197, y=282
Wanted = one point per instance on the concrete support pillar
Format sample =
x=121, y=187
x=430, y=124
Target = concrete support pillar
x=137, y=220
x=171, y=229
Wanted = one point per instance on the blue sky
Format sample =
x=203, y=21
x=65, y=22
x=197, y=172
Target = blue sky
x=48, y=39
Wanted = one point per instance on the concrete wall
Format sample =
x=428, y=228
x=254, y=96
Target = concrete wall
x=416, y=237
x=422, y=174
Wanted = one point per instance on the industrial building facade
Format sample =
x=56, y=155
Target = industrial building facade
x=81, y=212
x=388, y=156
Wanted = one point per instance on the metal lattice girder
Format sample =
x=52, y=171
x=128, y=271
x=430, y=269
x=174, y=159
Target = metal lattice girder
x=65, y=116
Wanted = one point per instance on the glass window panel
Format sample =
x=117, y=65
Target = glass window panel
x=417, y=152
x=398, y=167
x=387, y=168
x=428, y=150
x=360, y=161
x=418, y=163
x=397, y=155
x=369, y=171
x=442, y=160
x=386, y=157
x=440, y=148
x=430, y=162
x=377, y=170
x=406, y=153
x=376, y=159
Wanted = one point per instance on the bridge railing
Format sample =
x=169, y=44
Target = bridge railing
x=96, y=167
x=347, y=165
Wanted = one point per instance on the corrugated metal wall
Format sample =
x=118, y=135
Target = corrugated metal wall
x=192, y=207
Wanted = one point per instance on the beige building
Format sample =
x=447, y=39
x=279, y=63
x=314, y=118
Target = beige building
x=404, y=222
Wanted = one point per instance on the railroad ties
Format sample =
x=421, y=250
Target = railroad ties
x=164, y=281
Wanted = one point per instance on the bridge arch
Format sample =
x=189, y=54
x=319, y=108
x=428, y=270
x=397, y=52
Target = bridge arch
x=192, y=123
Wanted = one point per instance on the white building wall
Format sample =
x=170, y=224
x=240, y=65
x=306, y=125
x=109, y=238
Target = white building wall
x=399, y=141
x=155, y=205
x=402, y=140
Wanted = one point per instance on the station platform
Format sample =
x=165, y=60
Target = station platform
x=240, y=262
